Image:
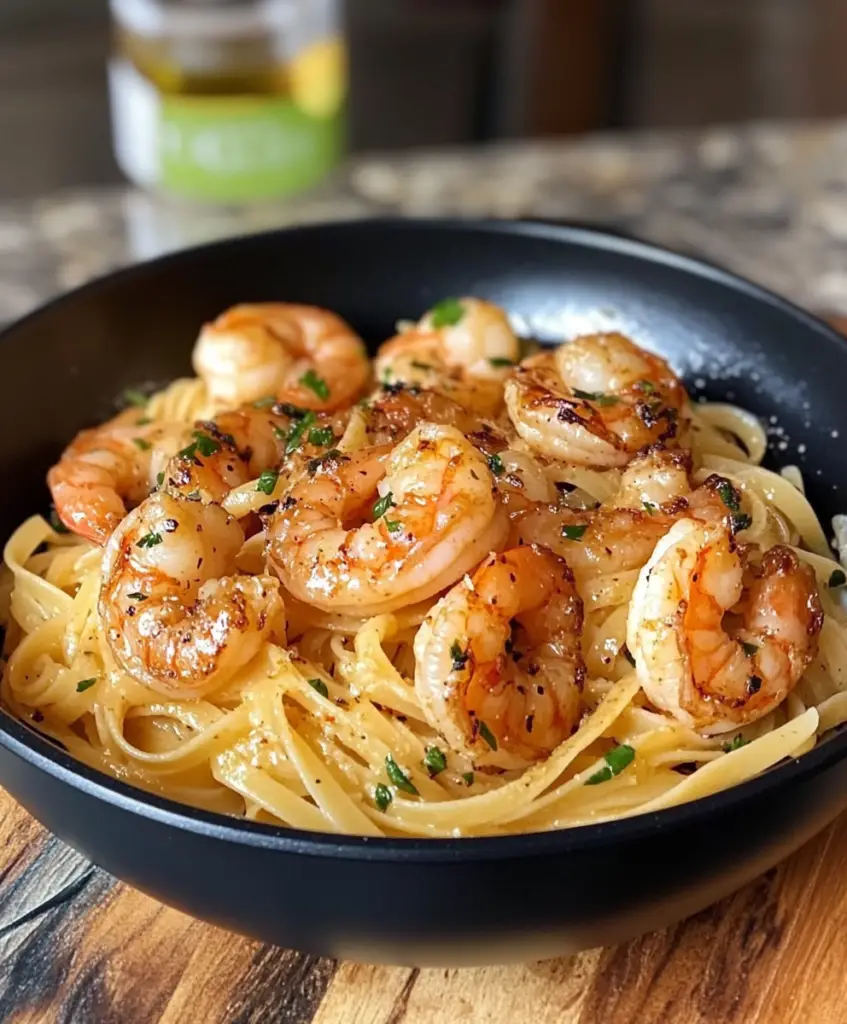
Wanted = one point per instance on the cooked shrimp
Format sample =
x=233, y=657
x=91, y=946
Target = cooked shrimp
x=499, y=667
x=299, y=354
x=706, y=673
x=238, y=446
x=596, y=401
x=436, y=514
x=462, y=347
x=177, y=617
x=396, y=409
x=108, y=468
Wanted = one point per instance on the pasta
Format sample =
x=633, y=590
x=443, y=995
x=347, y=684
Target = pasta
x=325, y=728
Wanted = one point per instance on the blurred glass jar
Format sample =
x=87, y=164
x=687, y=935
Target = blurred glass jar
x=227, y=100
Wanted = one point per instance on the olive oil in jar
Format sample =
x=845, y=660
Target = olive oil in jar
x=227, y=100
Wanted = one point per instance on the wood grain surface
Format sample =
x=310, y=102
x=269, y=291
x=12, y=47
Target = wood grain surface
x=78, y=947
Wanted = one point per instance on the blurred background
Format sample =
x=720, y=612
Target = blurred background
x=425, y=73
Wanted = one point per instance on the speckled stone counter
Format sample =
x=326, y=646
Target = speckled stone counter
x=769, y=201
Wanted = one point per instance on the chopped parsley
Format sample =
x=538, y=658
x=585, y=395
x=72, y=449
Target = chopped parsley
x=315, y=383
x=296, y=435
x=487, y=735
x=264, y=403
x=459, y=656
x=136, y=595
x=573, y=532
x=85, y=684
x=646, y=385
x=320, y=686
x=421, y=366
x=434, y=761
x=447, y=313
x=650, y=507
x=495, y=464
x=267, y=481
x=735, y=744
x=749, y=649
x=383, y=505
x=729, y=496
x=837, y=579
x=143, y=422
x=141, y=444
x=627, y=653
x=322, y=436
x=467, y=778
x=57, y=523
x=596, y=396
x=382, y=796
x=498, y=362
x=741, y=522
x=149, y=540
x=400, y=779
x=279, y=433
x=132, y=396
x=616, y=760
x=393, y=525
x=160, y=479
x=203, y=444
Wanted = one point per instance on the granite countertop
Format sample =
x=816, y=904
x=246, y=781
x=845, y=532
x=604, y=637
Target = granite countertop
x=769, y=201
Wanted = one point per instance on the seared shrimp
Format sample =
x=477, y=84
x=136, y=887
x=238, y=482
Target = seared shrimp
x=299, y=354
x=238, y=446
x=106, y=469
x=177, y=617
x=396, y=409
x=435, y=515
x=462, y=347
x=499, y=667
x=707, y=674
x=596, y=401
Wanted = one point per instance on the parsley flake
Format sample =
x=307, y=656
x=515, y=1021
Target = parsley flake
x=421, y=366
x=729, y=496
x=57, y=523
x=434, y=761
x=574, y=532
x=267, y=481
x=616, y=760
x=400, y=779
x=149, y=540
x=320, y=686
x=297, y=431
x=132, y=396
x=85, y=684
x=837, y=579
x=382, y=505
x=315, y=383
x=650, y=507
x=487, y=735
x=735, y=744
x=382, y=796
x=446, y=313
x=596, y=396
x=322, y=436
x=136, y=595
x=467, y=778
x=459, y=656
x=141, y=444
x=495, y=464
x=160, y=479
x=498, y=362
x=739, y=523
x=393, y=525
x=646, y=385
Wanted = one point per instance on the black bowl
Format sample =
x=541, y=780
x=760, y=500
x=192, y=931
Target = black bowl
x=432, y=901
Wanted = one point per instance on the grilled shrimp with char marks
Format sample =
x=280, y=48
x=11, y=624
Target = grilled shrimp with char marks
x=435, y=514
x=596, y=401
x=499, y=667
x=177, y=616
x=462, y=347
x=304, y=355
x=712, y=676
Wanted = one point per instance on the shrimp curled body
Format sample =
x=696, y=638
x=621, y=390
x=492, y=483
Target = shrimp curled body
x=595, y=401
x=689, y=665
x=177, y=617
x=435, y=515
x=275, y=349
x=499, y=665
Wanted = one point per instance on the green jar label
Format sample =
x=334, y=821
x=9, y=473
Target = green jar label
x=243, y=147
